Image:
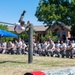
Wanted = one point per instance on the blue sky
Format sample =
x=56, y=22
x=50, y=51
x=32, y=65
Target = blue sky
x=10, y=10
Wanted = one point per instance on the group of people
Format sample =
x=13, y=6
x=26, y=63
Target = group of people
x=46, y=48
x=13, y=47
x=59, y=49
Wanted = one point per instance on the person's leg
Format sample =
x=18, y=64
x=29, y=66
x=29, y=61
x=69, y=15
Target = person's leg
x=12, y=51
x=67, y=54
x=71, y=54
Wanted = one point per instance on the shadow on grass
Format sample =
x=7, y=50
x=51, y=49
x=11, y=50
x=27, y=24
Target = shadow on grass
x=18, y=62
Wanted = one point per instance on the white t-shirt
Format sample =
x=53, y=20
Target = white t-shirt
x=20, y=44
x=57, y=45
x=24, y=46
x=4, y=45
x=73, y=45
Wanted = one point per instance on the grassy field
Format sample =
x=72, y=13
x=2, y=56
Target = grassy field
x=18, y=64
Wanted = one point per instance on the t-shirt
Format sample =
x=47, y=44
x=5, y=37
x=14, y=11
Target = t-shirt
x=20, y=44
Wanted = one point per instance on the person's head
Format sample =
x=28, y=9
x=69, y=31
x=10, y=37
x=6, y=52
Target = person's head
x=23, y=41
x=10, y=42
x=62, y=41
x=58, y=41
x=49, y=37
x=37, y=41
x=16, y=41
x=72, y=41
x=66, y=38
x=3, y=41
x=28, y=74
x=44, y=41
x=19, y=39
x=28, y=22
x=22, y=23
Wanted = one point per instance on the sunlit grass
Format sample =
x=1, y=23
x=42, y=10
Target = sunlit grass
x=18, y=64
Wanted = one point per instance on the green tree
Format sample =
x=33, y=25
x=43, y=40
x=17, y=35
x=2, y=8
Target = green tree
x=52, y=35
x=24, y=35
x=73, y=30
x=56, y=10
x=4, y=27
